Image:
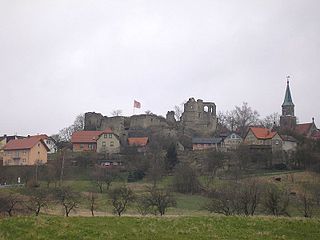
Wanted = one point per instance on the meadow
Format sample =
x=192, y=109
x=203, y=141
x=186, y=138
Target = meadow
x=182, y=227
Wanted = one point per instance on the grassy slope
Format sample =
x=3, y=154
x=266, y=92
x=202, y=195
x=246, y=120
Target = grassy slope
x=216, y=227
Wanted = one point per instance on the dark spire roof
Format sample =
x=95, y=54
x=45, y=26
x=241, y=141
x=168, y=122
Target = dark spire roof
x=288, y=99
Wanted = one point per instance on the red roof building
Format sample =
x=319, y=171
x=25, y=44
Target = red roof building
x=87, y=140
x=26, y=151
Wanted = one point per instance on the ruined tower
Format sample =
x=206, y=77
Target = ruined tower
x=199, y=116
x=288, y=120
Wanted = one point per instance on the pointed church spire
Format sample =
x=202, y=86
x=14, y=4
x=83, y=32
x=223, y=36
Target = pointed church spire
x=288, y=99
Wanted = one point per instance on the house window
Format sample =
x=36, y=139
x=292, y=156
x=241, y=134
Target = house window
x=111, y=144
x=104, y=144
x=23, y=160
x=105, y=135
x=110, y=135
x=81, y=145
x=38, y=144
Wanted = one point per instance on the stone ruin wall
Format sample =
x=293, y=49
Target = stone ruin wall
x=199, y=118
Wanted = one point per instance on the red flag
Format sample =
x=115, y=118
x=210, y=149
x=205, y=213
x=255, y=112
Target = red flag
x=136, y=104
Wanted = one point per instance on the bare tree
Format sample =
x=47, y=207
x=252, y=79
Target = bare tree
x=9, y=202
x=161, y=199
x=103, y=176
x=116, y=112
x=185, y=179
x=68, y=199
x=249, y=196
x=211, y=164
x=78, y=125
x=271, y=120
x=306, y=203
x=37, y=199
x=242, y=117
x=178, y=110
x=224, y=200
x=93, y=202
x=120, y=198
x=276, y=201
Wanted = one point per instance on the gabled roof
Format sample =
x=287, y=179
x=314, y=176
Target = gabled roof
x=88, y=136
x=138, y=141
x=288, y=99
x=206, y=140
x=288, y=138
x=233, y=133
x=303, y=128
x=24, y=143
x=262, y=133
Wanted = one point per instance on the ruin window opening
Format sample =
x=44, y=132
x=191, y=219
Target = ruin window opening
x=206, y=109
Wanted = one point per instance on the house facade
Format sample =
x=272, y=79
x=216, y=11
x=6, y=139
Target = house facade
x=108, y=142
x=139, y=142
x=232, y=141
x=259, y=136
x=207, y=143
x=50, y=142
x=26, y=151
x=95, y=141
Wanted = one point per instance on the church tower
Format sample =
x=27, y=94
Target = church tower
x=288, y=120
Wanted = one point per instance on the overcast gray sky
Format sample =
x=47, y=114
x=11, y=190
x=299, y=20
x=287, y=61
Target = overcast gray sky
x=62, y=58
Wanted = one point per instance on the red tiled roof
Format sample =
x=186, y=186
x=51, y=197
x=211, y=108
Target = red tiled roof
x=42, y=136
x=138, y=141
x=303, y=128
x=88, y=136
x=262, y=133
x=24, y=143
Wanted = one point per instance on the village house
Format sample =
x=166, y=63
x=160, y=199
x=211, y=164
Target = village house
x=139, y=142
x=263, y=138
x=26, y=151
x=108, y=142
x=207, y=143
x=232, y=141
x=50, y=142
x=289, y=143
x=95, y=141
x=85, y=141
x=5, y=139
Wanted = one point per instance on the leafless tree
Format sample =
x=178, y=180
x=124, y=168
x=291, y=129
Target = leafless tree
x=67, y=198
x=9, y=202
x=78, y=125
x=120, y=198
x=116, y=112
x=212, y=162
x=306, y=204
x=249, y=196
x=242, y=117
x=224, y=200
x=93, y=202
x=276, y=201
x=36, y=200
x=271, y=120
x=185, y=179
x=178, y=110
x=159, y=198
x=103, y=176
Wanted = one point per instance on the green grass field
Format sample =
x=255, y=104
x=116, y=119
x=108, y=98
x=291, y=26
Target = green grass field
x=215, y=227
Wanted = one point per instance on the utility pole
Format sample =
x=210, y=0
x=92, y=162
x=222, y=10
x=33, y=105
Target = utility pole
x=62, y=167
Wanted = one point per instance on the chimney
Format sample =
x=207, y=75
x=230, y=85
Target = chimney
x=28, y=136
x=313, y=120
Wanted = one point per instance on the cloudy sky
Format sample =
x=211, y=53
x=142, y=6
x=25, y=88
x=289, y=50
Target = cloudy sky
x=62, y=58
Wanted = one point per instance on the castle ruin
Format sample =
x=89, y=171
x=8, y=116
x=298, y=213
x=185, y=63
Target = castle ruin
x=198, y=119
